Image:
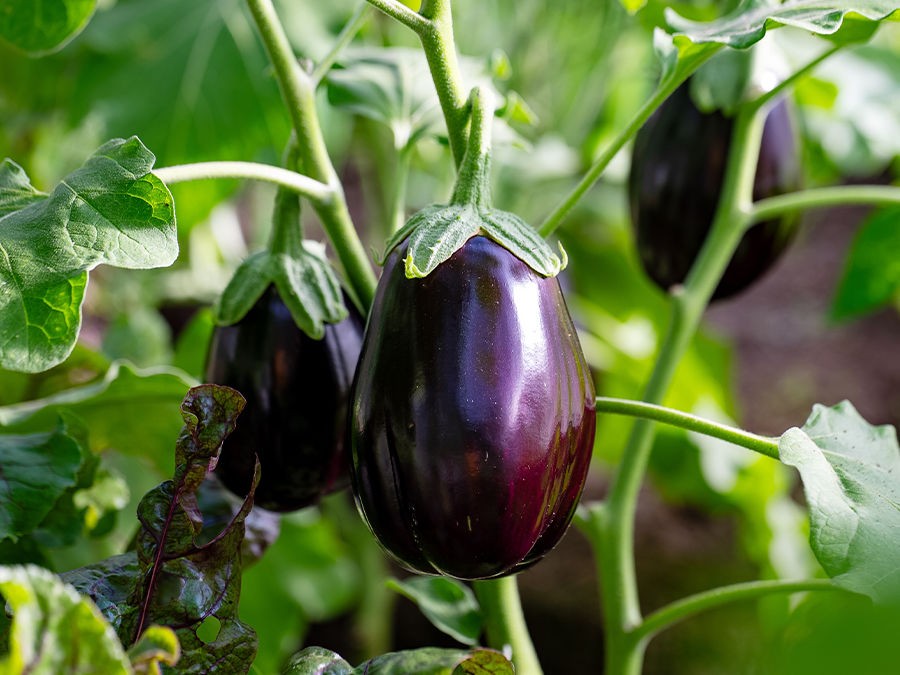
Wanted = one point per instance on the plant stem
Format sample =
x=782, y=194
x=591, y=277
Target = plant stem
x=299, y=94
x=397, y=10
x=505, y=623
x=615, y=536
x=344, y=38
x=473, y=184
x=663, y=91
x=882, y=195
x=762, y=444
x=796, y=75
x=440, y=52
x=313, y=190
x=695, y=604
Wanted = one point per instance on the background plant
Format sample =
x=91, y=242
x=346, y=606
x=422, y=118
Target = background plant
x=110, y=427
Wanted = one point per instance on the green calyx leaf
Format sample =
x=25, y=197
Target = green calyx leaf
x=849, y=470
x=748, y=24
x=436, y=232
x=305, y=281
x=111, y=211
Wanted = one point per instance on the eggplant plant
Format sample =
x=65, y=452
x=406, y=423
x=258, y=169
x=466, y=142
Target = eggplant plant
x=439, y=376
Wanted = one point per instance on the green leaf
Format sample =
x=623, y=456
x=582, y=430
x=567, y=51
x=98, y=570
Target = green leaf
x=748, y=24
x=109, y=583
x=110, y=211
x=35, y=470
x=54, y=629
x=43, y=27
x=448, y=604
x=131, y=410
x=679, y=57
x=158, y=645
x=305, y=281
x=871, y=275
x=139, y=335
x=436, y=661
x=318, y=661
x=850, y=476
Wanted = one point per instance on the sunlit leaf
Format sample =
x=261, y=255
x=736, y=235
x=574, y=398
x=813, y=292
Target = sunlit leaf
x=111, y=211
x=43, y=27
x=851, y=477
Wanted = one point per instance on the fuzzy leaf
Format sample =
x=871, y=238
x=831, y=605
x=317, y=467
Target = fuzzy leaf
x=35, y=471
x=748, y=24
x=851, y=477
x=523, y=241
x=448, y=604
x=54, y=629
x=872, y=272
x=110, y=211
x=43, y=27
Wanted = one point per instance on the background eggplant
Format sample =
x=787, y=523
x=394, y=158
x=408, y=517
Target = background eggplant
x=297, y=390
x=677, y=169
x=473, y=416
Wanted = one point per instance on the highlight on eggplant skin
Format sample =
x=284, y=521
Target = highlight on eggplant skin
x=297, y=391
x=677, y=169
x=472, y=422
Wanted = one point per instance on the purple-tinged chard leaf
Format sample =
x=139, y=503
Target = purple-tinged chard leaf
x=447, y=603
x=748, y=23
x=54, y=629
x=36, y=469
x=110, y=211
x=181, y=574
x=851, y=477
x=43, y=27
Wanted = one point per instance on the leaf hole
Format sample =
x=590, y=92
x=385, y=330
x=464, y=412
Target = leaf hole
x=208, y=631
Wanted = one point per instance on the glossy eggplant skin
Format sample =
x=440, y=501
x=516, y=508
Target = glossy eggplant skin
x=677, y=169
x=297, y=392
x=472, y=420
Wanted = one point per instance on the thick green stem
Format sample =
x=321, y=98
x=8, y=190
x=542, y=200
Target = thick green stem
x=298, y=91
x=473, y=183
x=505, y=624
x=876, y=195
x=313, y=190
x=762, y=444
x=440, y=52
x=701, y=602
x=616, y=534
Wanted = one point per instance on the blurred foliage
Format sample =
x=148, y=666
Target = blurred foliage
x=192, y=81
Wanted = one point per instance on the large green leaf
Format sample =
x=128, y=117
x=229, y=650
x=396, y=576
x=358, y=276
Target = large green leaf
x=131, y=410
x=748, y=24
x=424, y=661
x=35, y=470
x=872, y=272
x=851, y=476
x=54, y=629
x=110, y=211
x=45, y=26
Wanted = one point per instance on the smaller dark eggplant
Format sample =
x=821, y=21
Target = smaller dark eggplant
x=677, y=169
x=297, y=390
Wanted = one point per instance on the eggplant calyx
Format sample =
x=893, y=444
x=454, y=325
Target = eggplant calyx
x=436, y=232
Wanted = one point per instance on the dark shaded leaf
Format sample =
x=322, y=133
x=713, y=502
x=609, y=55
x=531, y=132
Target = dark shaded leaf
x=437, y=661
x=449, y=604
x=851, y=476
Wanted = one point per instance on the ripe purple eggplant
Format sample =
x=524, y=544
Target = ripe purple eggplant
x=677, y=170
x=297, y=391
x=472, y=421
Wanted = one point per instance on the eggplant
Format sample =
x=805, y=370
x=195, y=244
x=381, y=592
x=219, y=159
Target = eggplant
x=677, y=168
x=297, y=390
x=472, y=421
